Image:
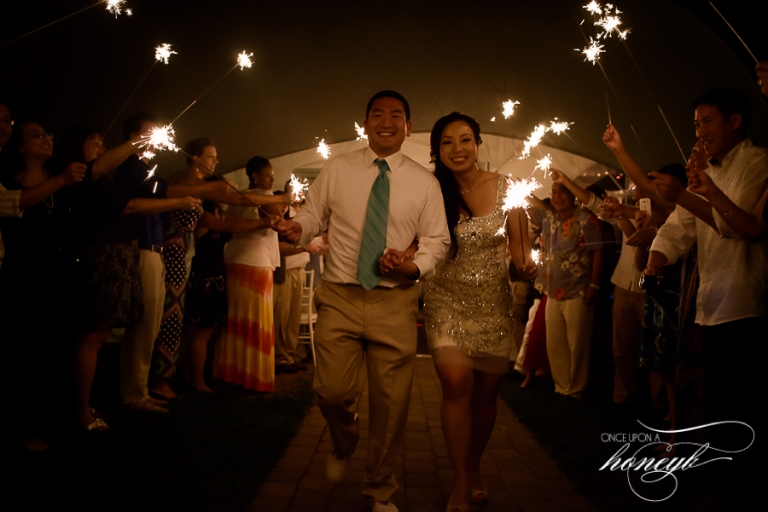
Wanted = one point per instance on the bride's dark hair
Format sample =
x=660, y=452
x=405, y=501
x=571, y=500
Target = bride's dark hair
x=452, y=198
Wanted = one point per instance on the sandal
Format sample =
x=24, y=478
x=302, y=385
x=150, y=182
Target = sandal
x=478, y=496
x=97, y=424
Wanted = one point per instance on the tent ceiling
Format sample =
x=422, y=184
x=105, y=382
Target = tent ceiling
x=316, y=64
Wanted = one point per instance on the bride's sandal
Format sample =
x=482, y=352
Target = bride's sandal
x=478, y=496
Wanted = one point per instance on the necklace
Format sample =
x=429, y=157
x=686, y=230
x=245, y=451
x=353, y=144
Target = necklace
x=473, y=187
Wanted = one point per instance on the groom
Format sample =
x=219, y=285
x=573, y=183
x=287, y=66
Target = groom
x=373, y=199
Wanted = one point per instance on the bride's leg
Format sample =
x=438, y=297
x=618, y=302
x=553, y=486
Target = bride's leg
x=456, y=381
x=484, y=394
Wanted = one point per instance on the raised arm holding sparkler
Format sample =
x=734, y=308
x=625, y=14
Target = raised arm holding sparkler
x=662, y=189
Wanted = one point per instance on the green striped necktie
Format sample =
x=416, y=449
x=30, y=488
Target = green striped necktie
x=375, y=232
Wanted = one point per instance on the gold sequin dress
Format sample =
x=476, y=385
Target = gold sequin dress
x=468, y=306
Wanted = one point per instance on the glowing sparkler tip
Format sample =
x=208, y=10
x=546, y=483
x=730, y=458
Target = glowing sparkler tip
x=594, y=7
x=509, y=108
x=517, y=192
x=163, y=53
x=149, y=155
x=159, y=139
x=493, y=119
x=116, y=7
x=559, y=127
x=501, y=231
x=592, y=52
x=298, y=188
x=536, y=256
x=324, y=149
x=360, y=132
x=244, y=60
x=543, y=164
x=129, y=12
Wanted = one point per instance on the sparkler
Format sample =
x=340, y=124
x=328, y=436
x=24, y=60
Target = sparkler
x=116, y=7
x=536, y=256
x=159, y=139
x=543, y=164
x=509, y=108
x=518, y=190
x=734, y=32
x=610, y=25
x=243, y=61
x=594, y=8
x=360, y=132
x=592, y=52
x=127, y=11
x=516, y=197
x=299, y=188
x=162, y=53
x=149, y=155
x=559, y=127
x=324, y=149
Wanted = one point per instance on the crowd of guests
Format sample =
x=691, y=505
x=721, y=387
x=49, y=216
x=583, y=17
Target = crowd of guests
x=93, y=253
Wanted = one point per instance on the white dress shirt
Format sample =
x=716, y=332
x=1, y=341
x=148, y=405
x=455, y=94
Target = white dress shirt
x=733, y=272
x=339, y=199
x=257, y=248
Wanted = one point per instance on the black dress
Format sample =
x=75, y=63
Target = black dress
x=207, y=296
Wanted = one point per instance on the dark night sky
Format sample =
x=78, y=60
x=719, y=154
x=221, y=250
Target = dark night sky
x=317, y=63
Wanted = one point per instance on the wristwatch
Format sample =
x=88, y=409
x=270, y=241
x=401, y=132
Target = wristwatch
x=415, y=276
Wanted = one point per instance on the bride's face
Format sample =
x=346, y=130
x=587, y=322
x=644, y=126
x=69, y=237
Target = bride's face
x=458, y=147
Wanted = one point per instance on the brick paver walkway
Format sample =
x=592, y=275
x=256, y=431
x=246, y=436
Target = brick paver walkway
x=520, y=476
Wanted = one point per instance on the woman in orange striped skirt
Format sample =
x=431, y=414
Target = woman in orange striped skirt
x=245, y=353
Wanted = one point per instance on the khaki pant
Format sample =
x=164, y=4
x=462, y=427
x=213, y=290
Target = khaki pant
x=139, y=342
x=376, y=328
x=569, y=329
x=286, y=298
x=627, y=331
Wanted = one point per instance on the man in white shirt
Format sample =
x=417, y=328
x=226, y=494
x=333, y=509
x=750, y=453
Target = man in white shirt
x=732, y=302
x=365, y=317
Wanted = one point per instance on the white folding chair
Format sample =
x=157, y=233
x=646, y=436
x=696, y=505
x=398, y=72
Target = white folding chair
x=308, y=314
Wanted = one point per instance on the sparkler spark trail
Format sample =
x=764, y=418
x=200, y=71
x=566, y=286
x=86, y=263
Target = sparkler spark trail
x=324, y=149
x=150, y=174
x=115, y=7
x=244, y=60
x=536, y=256
x=517, y=192
x=299, y=188
x=509, y=108
x=163, y=53
x=592, y=52
x=148, y=155
x=360, y=132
